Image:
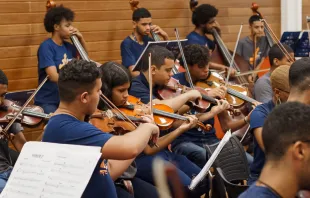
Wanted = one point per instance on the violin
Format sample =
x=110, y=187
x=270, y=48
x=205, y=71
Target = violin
x=31, y=116
x=174, y=88
x=113, y=122
x=236, y=95
x=164, y=115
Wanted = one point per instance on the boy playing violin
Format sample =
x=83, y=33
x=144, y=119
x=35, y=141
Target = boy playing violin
x=6, y=160
x=79, y=90
x=191, y=144
x=162, y=62
x=116, y=82
x=54, y=53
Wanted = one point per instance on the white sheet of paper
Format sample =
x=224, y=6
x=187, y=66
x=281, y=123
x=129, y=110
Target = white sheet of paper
x=211, y=160
x=49, y=170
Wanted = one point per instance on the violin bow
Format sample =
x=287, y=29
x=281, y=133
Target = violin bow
x=233, y=56
x=191, y=84
x=308, y=28
x=49, y=4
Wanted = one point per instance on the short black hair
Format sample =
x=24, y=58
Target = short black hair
x=76, y=77
x=276, y=52
x=254, y=18
x=3, y=78
x=286, y=124
x=299, y=74
x=203, y=13
x=55, y=16
x=196, y=54
x=140, y=13
x=159, y=54
x=113, y=75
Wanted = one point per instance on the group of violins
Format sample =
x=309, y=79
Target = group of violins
x=237, y=93
x=125, y=119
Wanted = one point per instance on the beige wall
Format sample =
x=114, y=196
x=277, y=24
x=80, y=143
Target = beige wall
x=104, y=24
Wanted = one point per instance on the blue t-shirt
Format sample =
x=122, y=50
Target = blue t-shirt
x=66, y=129
x=258, y=192
x=195, y=38
x=51, y=54
x=140, y=89
x=193, y=135
x=131, y=50
x=257, y=120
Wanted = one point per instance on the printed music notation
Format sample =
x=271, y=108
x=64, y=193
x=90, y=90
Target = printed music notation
x=49, y=170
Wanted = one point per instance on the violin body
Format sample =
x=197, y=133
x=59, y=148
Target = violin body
x=174, y=88
x=110, y=124
x=31, y=116
x=140, y=109
x=216, y=80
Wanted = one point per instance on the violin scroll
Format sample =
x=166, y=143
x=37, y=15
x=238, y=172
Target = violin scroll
x=193, y=4
x=134, y=4
x=254, y=8
x=50, y=4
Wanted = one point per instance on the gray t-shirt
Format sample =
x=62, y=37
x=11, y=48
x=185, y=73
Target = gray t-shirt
x=262, y=89
x=5, y=161
x=246, y=46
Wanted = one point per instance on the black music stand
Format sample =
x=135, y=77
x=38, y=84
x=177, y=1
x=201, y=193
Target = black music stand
x=298, y=41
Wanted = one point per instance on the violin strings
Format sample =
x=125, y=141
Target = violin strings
x=105, y=99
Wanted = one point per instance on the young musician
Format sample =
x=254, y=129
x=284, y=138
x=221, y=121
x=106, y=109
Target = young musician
x=6, y=162
x=286, y=145
x=262, y=87
x=191, y=144
x=116, y=81
x=134, y=44
x=54, y=53
x=79, y=89
x=299, y=81
x=204, y=19
x=246, y=45
x=162, y=61
x=280, y=87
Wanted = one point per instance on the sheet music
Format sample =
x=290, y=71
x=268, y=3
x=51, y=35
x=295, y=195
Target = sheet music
x=49, y=170
x=209, y=163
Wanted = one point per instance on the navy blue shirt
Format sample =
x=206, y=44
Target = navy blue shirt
x=258, y=117
x=193, y=135
x=195, y=38
x=131, y=50
x=51, y=54
x=66, y=129
x=140, y=89
x=258, y=192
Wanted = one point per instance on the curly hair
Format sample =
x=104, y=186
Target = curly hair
x=3, y=78
x=196, y=54
x=76, y=77
x=203, y=14
x=55, y=16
